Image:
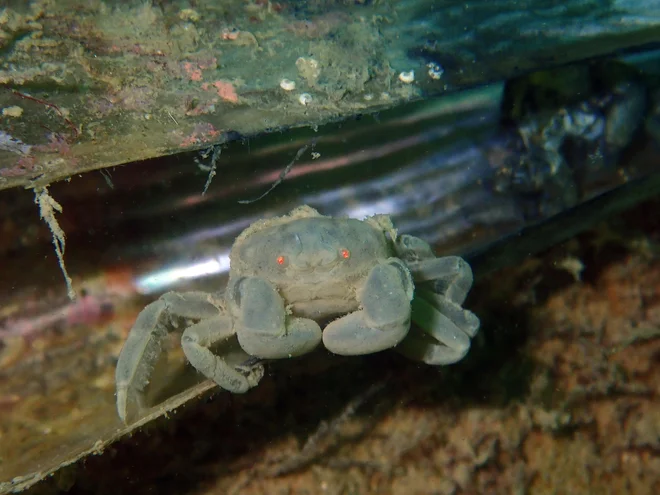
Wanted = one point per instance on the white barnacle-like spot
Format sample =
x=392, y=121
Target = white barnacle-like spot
x=435, y=70
x=305, y=99
x=407, y=77
x=287, y=84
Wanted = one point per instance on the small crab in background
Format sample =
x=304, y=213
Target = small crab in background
x=301, y=279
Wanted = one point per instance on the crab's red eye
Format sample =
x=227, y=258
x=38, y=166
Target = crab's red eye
x=280, y=260
x=345, y=253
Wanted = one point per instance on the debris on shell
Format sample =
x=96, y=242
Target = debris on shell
x=309, y=69
x=239, y=37
x=305, y=99
x=189, y=15
x=13, y=111
x=230, y=34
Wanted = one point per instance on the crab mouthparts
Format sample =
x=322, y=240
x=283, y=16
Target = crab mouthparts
x=310, y=263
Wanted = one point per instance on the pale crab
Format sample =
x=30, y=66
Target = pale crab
x=292, y=275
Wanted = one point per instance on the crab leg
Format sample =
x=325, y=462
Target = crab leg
x=465, y=320
x=449, y=275
x=197, y=340
x=143, y=345
x=446, y=330
x=442, y=284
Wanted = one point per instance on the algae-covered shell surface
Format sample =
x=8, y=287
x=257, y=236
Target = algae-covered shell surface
x=87, y=85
